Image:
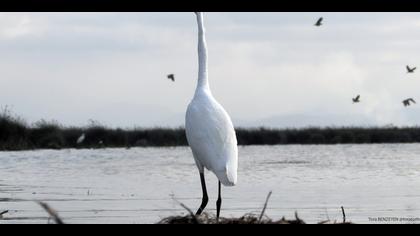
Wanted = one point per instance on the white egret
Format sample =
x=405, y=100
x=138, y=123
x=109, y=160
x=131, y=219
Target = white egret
x=209, y=129
x=81, y=139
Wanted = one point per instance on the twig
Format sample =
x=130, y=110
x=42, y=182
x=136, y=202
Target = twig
x=323, y=222
x=186, y=208
x=326, y=212
x=2, y=213
x=344, y=215
x=265, y=206
x=296, y=216
x=53, y=214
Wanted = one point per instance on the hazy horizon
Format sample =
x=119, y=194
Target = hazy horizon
x=266, y=69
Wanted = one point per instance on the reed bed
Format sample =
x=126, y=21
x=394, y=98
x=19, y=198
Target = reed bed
x=16, y=134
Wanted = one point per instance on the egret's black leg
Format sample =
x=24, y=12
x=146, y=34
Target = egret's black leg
x=205, y=197
x=219, y=201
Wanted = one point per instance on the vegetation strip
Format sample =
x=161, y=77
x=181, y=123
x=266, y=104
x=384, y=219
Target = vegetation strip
x=15, y=134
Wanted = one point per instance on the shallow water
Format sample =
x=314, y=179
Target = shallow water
x=139, y=185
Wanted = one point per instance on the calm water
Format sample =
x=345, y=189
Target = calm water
x=139, y=185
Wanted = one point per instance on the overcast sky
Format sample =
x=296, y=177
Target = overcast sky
x=266, y=69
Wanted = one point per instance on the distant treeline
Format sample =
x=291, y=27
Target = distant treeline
x=15, y=134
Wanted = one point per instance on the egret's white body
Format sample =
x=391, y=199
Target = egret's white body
x=81, y=139
x=209, y=129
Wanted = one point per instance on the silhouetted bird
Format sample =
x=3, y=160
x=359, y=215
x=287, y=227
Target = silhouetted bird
x=410, y=70
x=356, y=99
x=171, y=77
x=406, y=102
x=319, y=22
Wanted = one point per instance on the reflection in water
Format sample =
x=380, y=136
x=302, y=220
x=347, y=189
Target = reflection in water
x=138, y=185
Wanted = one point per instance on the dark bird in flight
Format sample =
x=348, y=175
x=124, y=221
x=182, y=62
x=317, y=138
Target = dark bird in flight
x=171, y=77
x=356, y=99
x=410, y=70
x=319, y=22
x=406, y=102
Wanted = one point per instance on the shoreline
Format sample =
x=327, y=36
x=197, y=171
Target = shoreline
x=16, y=135
x=186, y=146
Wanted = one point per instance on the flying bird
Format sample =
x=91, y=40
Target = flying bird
x=410, y=70
x=406, y=102
x=81, y=139
x=171, y=77
x=356, y=99
x=319, y=22
x=209, y=130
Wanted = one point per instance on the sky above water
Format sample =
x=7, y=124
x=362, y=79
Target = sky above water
x=266, y=69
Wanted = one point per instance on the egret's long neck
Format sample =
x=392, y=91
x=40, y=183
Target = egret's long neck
x=203, y=82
